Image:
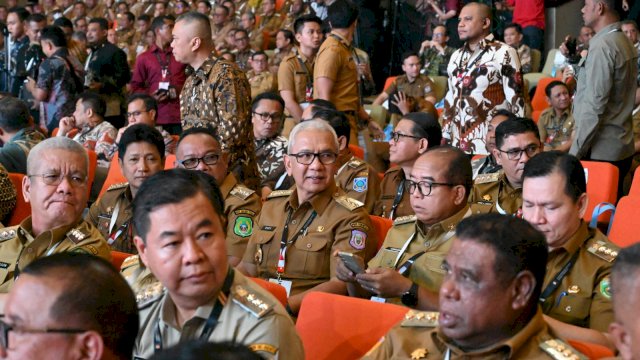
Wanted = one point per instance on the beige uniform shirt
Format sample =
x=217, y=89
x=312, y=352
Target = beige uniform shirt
x=295, y=74
x=341, y=223
x=359, y=181
x=241, y=208
x=394, y=198
x=112, y=215
x=553, y=129
x=261, y=83
x=493, y=190
x=334, y=61
x=250, y=316
x=18, y=248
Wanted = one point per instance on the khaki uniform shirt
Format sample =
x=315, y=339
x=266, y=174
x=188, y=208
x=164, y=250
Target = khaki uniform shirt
x=261, y=83
x=293, y=76
x=334, y=61
x=416, y=337
x=359, y=181
x=419, y=88
x=250, y=316
x=218, y=94
x=219, y=35
x=18, y=247
x=112, y=215
x=554, y=130
x=241, y=207
x=277, y=57
x=583, y=297
x=494, y=190
x=392, y=185
x=341, y=224
x=256, y=39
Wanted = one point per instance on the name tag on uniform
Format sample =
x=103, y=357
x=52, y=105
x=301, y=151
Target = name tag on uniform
x=163, y=85
x=378, y=299
x=286, y=284
x=4, y=265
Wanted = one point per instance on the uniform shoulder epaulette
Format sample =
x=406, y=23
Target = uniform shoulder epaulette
x=604, y=250
x=347, y=202
x=279, y=193
x=8, y=233
x=78, y=234
x=414, y=318
x=355, y=163
x=129, y=262
x=405, y=220
x=487, y=178
x=559, y=350
x=253, y=302
x=118, y=186
x=241, y=192
x=149, y=294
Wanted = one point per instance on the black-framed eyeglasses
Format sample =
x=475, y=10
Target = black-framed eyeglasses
x=6, y=328
x=307, y=158
x=135, y=114
x=265, y=116
x=192, y=163
x=516, y=154
x=396, y=136
x=424, y=187
x=56, y=179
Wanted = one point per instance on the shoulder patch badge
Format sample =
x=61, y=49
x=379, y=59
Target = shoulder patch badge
x=560, y=350
x=487, y=178
x=251, y=302
x=603, y=251
x=405, y=220
x=414, y=318
x=8, y=233
x=347, y=202
x=605, y=288
x=279, y=193
x=358, y=239
x=355, y=162
x=360, y=184
x=243, y=226
x=149, y=294
x=76, y=235
x=130, y=261
x=241, y=192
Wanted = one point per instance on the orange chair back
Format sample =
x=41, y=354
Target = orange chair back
x=476, y=157
x=592, y=351
x=114, y=176
x=23, y=208
x=389, y=81
x=339, y=327
x=381, y=226
x=602, y=186
x=276, y=290
x=70, y=134
x=635, y=185
x=117, y=258
x=539, y=101
x=169, y=161
x=93, y=163
x=624, y=230
x=357, y=151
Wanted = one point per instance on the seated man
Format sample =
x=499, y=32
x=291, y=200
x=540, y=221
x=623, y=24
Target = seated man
x=414, y=134
x=517, y=141
x=488, y=300
x=556, y=122
x=267, y=111
x=513, y=37
x=435, y=53
x=17, y=135
x=576, y=287
x=625, y=286
x=299, y=229
x=260, y=78
x=94, y=133
x=140, y=155
x=488, y=164
x=187, y=254
x=80, y=300
x=56, y=187
x=407, y=269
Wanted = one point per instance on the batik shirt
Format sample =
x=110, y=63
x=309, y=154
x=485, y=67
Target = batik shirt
x=270, y=155
x=99, y=139
x=480, y=83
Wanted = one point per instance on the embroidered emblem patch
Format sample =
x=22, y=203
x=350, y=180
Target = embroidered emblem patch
x=243, y=226
x=360, y=184
x=358, y=239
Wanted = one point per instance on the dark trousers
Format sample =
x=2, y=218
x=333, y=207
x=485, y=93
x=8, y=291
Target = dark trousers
x=534, y=38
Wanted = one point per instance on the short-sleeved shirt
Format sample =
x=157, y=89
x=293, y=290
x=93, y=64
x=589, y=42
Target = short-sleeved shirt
x=241, y=208
x=335, y=62
x=112, y=214
x=419, y=88
x=13, y=155
x=495, y=191
x=295, y=74
x=554, y=129
x=261, y=83
x=270, y=155
x=394, y=198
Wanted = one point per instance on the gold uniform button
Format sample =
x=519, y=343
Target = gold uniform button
x=294, y=221
x=29, y=250
x=568, y=309
x=308, y=246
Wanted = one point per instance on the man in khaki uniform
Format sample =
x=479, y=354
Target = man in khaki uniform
x=220, y=25
x=576, y=288
x=517, y=141
x=299, y=229
x=56, y=187
x=248, y=23
x=140, y=155
x=488, y=300
x=260, y=78
x=188, y=255
x=407, y=269
x=625, y=283
x=556, y=122
x=414, y=134
x=270, y=21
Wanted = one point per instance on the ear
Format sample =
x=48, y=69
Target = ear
x=497, y=155
x=196, y=42
x=153, y=114
x=621, y=339
x=423, y=146
x=548, y=100
x=26, y=188
x=460, y=195
x=342, y=143
x=523, y=286
x=142, y=249
x=583, y=201
x=287, y=164
x=486, y=23
x=298, y=37
x=91, y=345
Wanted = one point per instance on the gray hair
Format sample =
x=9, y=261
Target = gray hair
x=319, y=125
x=55, y=143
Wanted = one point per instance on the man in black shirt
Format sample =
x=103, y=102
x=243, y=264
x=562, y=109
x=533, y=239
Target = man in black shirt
x=18, y=43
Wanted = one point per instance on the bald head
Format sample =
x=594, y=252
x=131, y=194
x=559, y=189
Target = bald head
x=483, y=10
x=198, y=25
x=191, y=39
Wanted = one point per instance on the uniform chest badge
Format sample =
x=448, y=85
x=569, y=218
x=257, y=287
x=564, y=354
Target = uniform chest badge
x=419, y=353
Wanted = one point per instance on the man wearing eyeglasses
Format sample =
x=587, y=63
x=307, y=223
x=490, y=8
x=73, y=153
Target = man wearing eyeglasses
x=267, y=112
x=517, y=141
x=243, y=50
x=56, y=188
x=299, y=229
x=407, y=269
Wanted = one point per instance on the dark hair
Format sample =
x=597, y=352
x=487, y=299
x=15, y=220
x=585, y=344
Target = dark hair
x=337, y=119
x=130, y=16
x=629, y=22
x=21, y=12
x=36, y=18
x=14, y=114
x=342, y=14
x=55, y=35
x=144, y=17
x=517, y=27
x=511, y=127
x=269, y=95
x=240, y=30
x=203, y=350
x=104, y=24
x=93, y=101
x=206, y=2
x=259, y=52
x=205, y=130
x=298, y=24
x=518, y=246
x=408, y=54
x=95, y=297
x=288, y=35
x=323, y=104
x=75, y=22
x=63, y=22
x=425, y=126
x=140, y=133
x=505, y=112
x=176, y=185
x=150, y=103
x=624, y=272
x=548, y=162
x=553, y=84
x=459, y=170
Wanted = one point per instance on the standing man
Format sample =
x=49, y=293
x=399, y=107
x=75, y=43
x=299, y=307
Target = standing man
x=336, y=73
x=157, y=73
x=484, y=76
x=605, y=94
x=16, y=21
x=217, y=93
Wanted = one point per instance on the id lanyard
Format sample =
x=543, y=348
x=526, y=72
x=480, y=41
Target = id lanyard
x=284, y=243
x=309, y=82
x=396, y=200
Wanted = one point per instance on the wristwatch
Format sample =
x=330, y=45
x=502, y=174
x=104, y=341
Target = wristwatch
x=410, y=298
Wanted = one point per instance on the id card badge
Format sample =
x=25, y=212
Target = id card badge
x=286, y=284
x=378, y=299
x=163, y=85
x=309, y=93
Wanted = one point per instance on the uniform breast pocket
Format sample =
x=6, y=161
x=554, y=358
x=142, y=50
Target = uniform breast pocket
x=388, y=257
x=572, y=308
x=266, y=250
x=427, y=270
x=6, y=273
x=310, y=256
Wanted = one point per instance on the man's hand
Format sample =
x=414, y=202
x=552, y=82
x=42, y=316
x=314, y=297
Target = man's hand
x=563, y=47
x=384, y=282
x=403, y=102
x=161, y=96
x=425, y=45
x=342, y=272
x=120, y=132
x=66, y=124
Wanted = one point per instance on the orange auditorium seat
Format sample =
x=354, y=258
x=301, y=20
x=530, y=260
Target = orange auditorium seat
x=276, y=290
x=93, y=164
x=539, y=100
x=23, y=208
x=592, y=351
x=357, y=151
x=117, y=258
x=114, y=176
x=169, y=161
x=623, y=229
x=381, y=226
x=602, y=186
